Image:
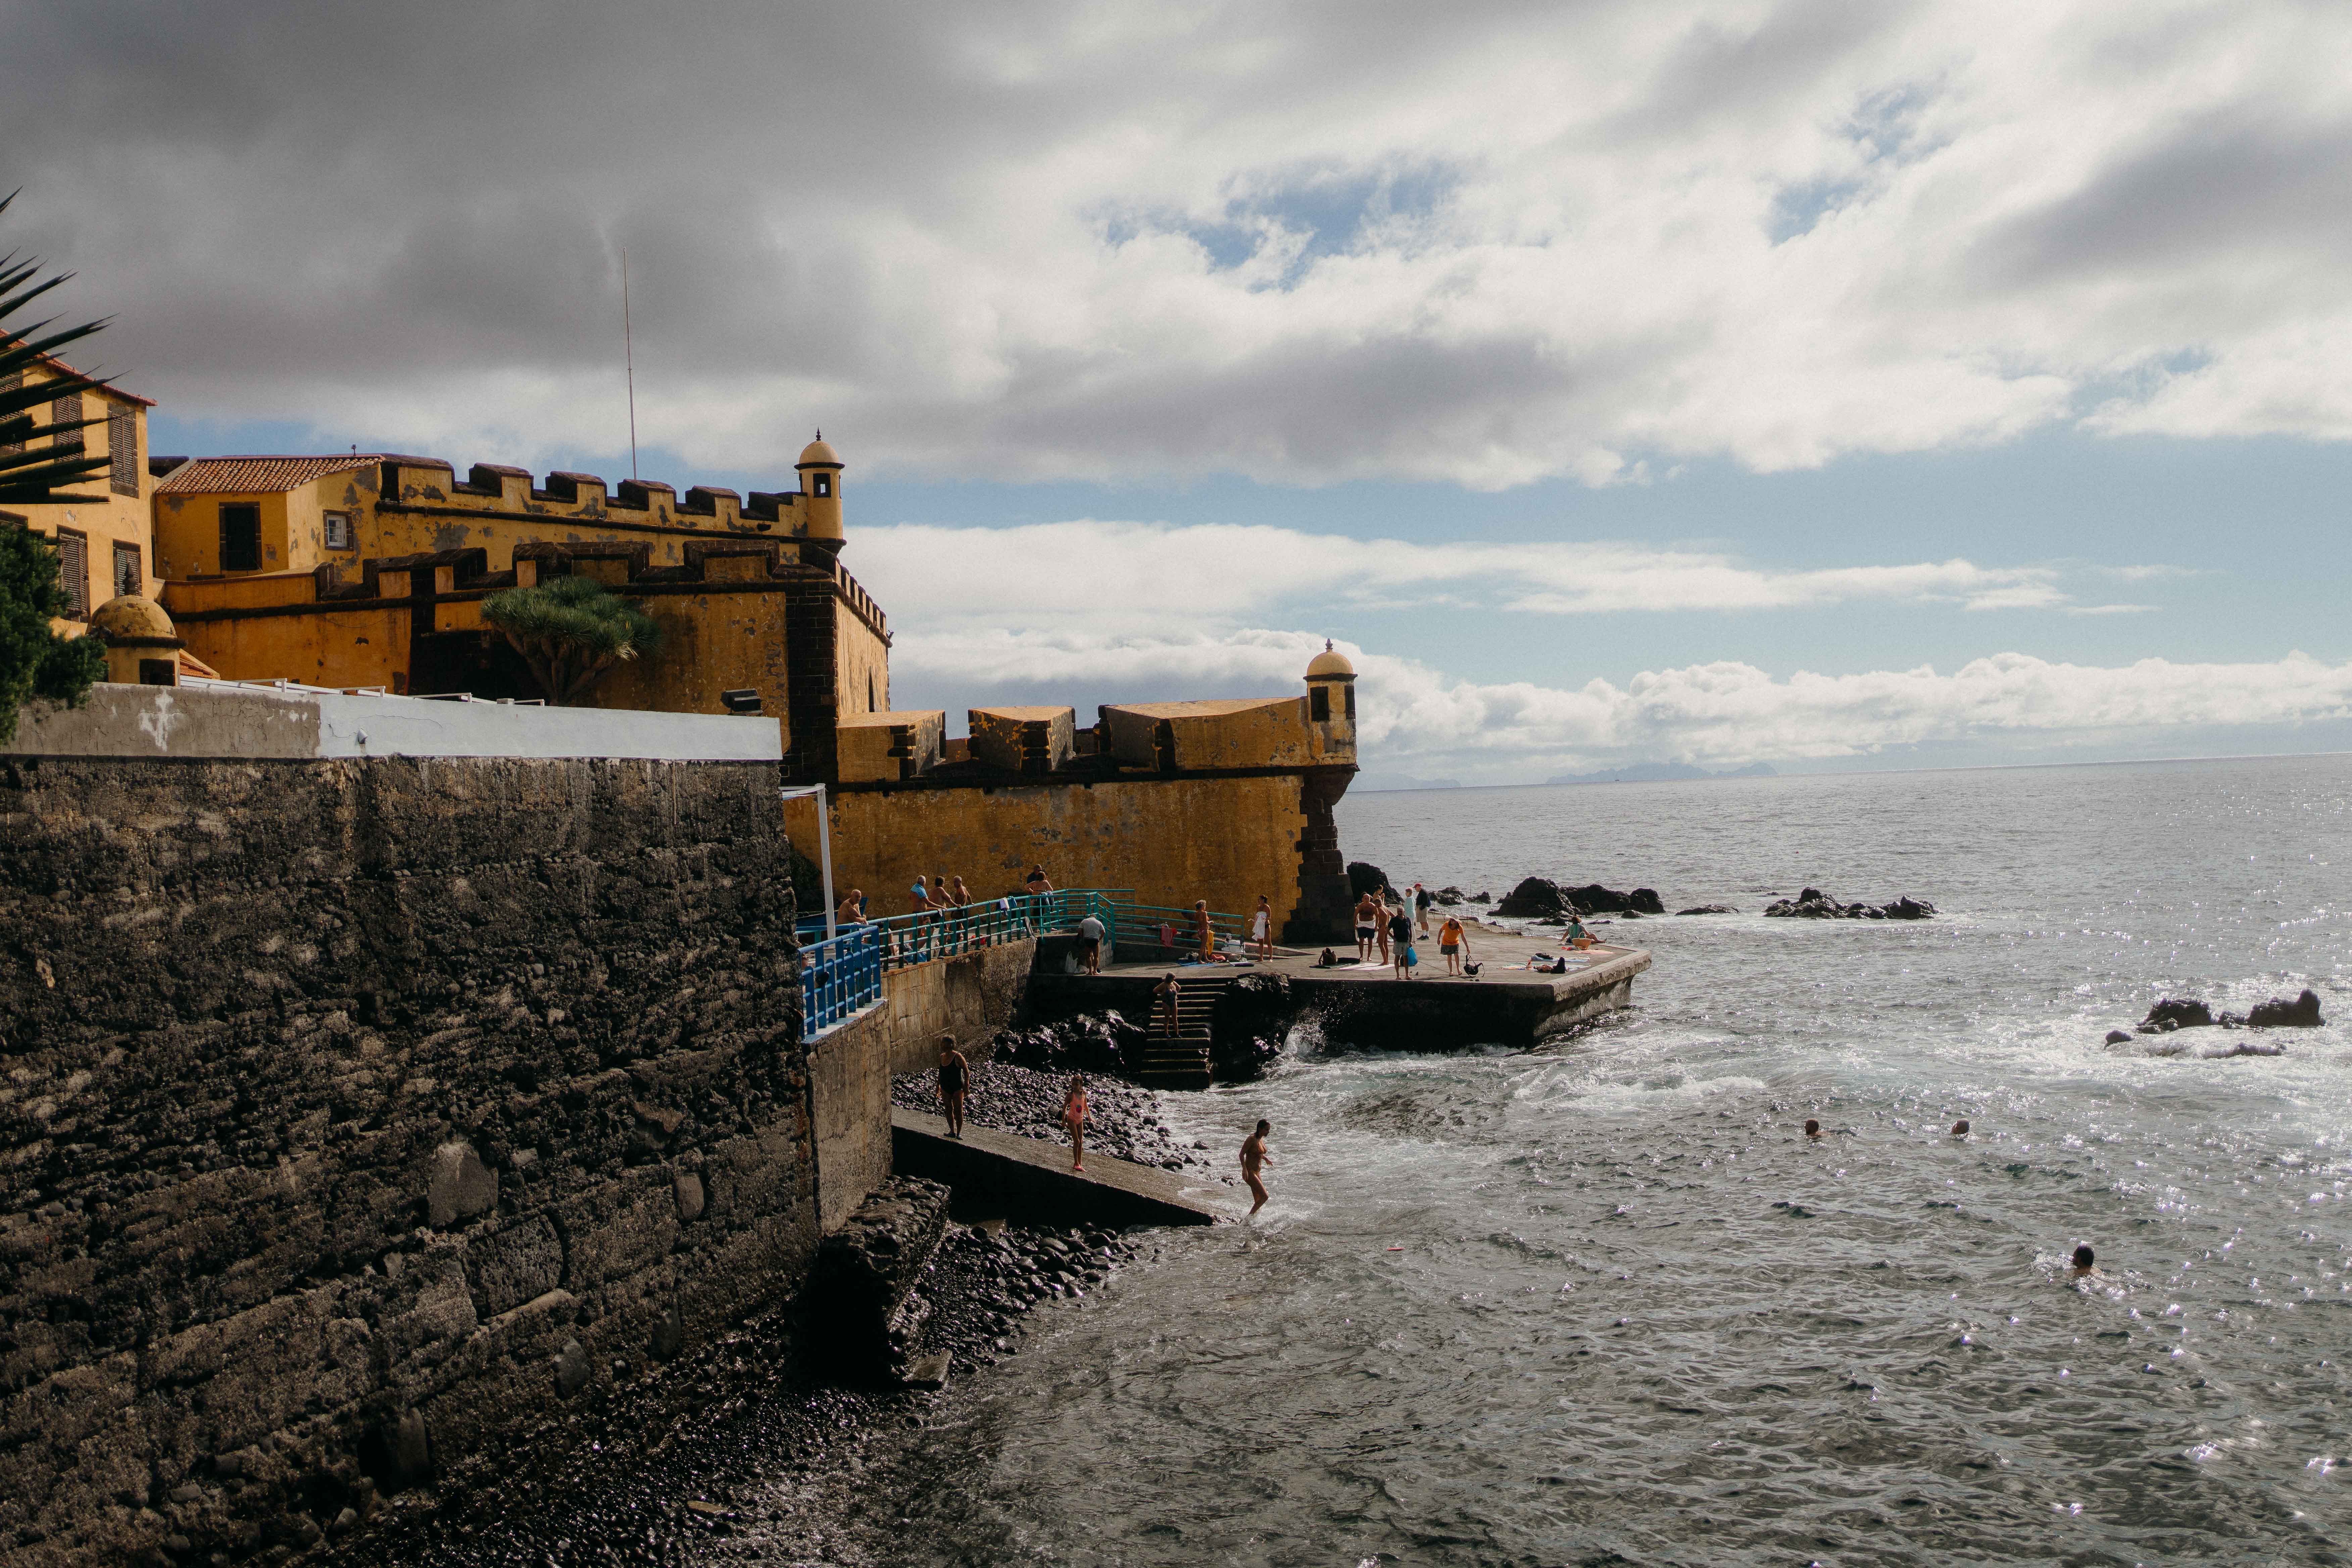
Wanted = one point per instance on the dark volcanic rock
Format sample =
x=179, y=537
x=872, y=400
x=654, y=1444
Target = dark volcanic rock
x=1449, y=896
x=2175, y=1014
x=1253, y=1018
x=1812, y=904
x=1363, y=877
x=1592, y=899
x=1709, y=909
x=1533, y=898
x=2118, y=1037
x=1482, y=898
x=2303, y=1013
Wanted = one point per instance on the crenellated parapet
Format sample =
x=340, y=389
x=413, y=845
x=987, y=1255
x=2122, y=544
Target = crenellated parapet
x=497, y=490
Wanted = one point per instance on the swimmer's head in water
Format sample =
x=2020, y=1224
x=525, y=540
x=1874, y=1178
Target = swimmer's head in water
x=1960, y=1128
x=2083, y=1258
x=1812, y=1128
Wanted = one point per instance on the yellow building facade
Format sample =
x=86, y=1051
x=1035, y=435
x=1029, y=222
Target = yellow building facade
x=370, y=570
x=1224, y=800
x=103, y=541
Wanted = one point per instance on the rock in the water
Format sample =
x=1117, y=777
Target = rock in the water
x=1592, y=899
x=2303, y=1013
x=1709, y=909
x=1482, y=898
x=2118, y=1037
x=2174, y=1013
x=1449, y=896
x=1812, y=904
x=1533, y=898
x=1363, y=877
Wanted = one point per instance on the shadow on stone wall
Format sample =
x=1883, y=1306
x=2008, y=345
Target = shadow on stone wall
x=359, y=1116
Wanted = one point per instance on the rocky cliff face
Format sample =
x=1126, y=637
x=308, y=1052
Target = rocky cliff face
x=358, y=1116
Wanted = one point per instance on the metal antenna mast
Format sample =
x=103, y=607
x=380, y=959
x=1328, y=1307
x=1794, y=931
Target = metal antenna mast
x=629, y=359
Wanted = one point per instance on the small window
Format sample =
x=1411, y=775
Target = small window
x=122, y=449
x=823, y=485
x=159, y=672
x=1351, y=704
x=73, y=573
x=1318, y=704
x=66, y=411
x=339, y=531
x=240, y=540
x=869, y=694
x=128, y=577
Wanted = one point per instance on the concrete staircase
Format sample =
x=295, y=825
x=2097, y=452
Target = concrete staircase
x=1183, y=1062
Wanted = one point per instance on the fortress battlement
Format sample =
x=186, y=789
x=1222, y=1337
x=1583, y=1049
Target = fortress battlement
x=431, y=484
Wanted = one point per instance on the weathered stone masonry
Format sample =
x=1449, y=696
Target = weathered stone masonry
x=356, y=1113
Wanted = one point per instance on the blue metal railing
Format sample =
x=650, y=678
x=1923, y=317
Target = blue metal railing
x=842, y=974
x=838, y=977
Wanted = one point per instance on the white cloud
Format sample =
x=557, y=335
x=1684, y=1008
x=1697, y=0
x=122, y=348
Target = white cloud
x=1477, y=243
x=1416, y=719
x=1139, y=574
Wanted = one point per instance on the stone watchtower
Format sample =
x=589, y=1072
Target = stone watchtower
x=1325, y=901
x=1331, y=705
x=820, y=473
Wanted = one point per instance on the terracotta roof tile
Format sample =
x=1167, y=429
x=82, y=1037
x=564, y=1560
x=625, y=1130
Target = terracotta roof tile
x=244, y=476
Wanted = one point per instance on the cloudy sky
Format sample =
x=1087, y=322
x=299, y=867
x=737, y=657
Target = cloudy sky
x=1827, y=385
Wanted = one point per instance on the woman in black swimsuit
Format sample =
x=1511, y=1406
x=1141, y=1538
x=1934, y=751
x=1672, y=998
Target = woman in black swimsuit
x=953, y=1073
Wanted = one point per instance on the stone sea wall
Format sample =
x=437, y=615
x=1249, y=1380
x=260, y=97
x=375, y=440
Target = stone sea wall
x=355, y=1116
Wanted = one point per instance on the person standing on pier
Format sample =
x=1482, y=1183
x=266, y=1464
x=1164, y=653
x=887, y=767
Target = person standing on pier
x=1422, y=900
x=1400, y=940
x=954, y=1073
x=1262, y=929
x=1368, y=915
x=1204, y=936
x=1253, y=1155
x=1074, y=1117
x=1090, y=941
x=1167, y=991
x=1454, y=944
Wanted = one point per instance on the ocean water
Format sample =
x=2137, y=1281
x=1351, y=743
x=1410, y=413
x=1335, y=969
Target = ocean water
x=1605, y=1304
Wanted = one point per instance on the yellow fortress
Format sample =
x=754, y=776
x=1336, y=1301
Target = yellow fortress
x=368, y=570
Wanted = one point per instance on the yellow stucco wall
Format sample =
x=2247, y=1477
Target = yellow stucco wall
x=1171, y=839
x=863, y=662
x=710, y=643
x=341, y=648
x=109, y=520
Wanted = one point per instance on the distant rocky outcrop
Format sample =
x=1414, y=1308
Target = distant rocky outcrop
x=1659, y=772
x=2278, y=1013
x=1539, y=898
x=1812, y=904
x=1709, y=909
x=1449, y=896
x=2177, y=1013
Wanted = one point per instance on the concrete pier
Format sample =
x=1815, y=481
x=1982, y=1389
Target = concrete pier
x=996, y=1174
x=1507, y=1004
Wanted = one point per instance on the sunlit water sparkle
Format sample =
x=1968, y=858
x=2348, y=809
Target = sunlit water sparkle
x=1541, y=1308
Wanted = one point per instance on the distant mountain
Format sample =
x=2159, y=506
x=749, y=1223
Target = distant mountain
x=1654, y=773
x=1375, y=783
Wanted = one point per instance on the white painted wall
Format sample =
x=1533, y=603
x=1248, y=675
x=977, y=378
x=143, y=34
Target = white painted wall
x=223, y=719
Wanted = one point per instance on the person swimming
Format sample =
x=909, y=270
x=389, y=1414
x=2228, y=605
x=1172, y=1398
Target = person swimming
x=2085, y=1261
x=1812, y=1128
x=1960, y=1128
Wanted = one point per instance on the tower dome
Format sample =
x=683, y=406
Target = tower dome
x=1331, y=664
x=141, y=646
x=132, y=621
x=820, y=472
